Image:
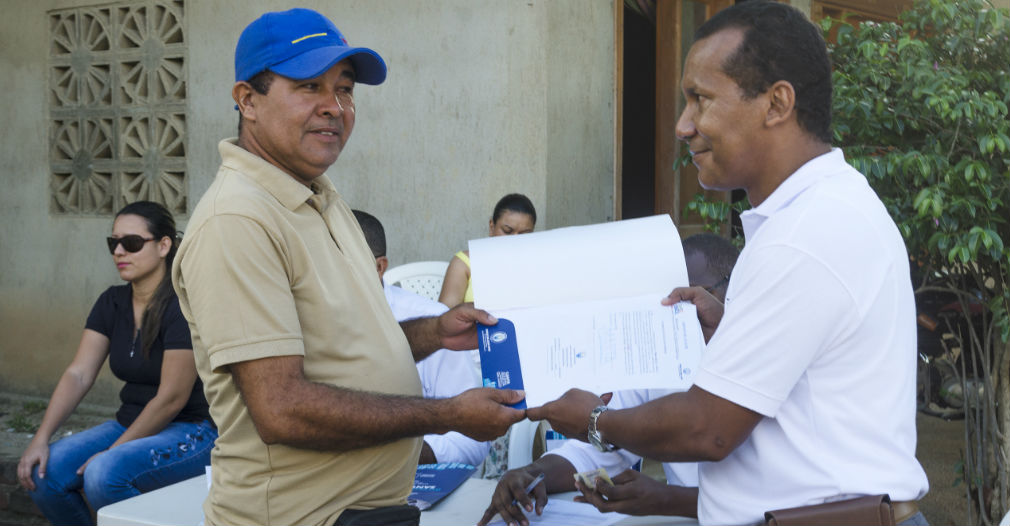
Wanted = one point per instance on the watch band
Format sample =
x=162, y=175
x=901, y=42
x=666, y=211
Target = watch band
x=594, y=434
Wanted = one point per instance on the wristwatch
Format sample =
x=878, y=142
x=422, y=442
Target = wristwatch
x=594, y=434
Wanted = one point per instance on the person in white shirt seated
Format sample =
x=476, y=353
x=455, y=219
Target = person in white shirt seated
x=710, y=260
x=443, y=374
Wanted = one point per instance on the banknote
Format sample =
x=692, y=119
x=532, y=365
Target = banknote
x=588, y=478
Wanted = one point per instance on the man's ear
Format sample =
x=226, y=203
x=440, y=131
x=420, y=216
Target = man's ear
x=781, y=103
x=242, y=93
x=381, y=264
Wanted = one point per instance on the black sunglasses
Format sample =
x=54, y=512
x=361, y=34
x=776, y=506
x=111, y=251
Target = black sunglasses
x=132, y=243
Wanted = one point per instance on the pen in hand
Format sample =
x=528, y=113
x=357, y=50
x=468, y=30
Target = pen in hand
x=529, y=487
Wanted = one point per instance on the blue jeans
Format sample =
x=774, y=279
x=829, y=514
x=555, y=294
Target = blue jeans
x=178, y=452
x=915, y=520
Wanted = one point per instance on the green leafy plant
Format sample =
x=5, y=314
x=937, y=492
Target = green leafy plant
x=33, y=406
x=714, y=214
x=25, y=420
x=920, y=108
x=21, y=423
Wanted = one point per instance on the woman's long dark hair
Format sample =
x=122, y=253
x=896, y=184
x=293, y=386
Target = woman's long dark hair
x=160, y=224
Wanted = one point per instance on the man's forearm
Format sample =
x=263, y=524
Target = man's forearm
x=680, y=501
x=324, y=417
x=422, y=335
x=681, y=427
x=289, y=409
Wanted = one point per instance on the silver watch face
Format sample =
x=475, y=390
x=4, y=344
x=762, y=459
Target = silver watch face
x=594, y=434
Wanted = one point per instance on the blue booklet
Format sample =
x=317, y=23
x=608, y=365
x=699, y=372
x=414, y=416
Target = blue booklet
x=434, y=481
x=499, y=357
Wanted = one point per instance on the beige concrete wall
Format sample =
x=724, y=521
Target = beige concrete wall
x=484, y=97
x=580, y=83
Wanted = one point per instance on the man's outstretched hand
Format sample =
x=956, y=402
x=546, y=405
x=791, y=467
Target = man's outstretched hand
x=569, y=415
x=483, y=413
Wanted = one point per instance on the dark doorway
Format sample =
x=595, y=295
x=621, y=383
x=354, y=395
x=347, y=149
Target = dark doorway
x=638, y=166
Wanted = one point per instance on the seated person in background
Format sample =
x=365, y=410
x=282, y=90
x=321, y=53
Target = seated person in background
x=710, y=259
x=162, y=433
x=514, y=214
x=444, y=373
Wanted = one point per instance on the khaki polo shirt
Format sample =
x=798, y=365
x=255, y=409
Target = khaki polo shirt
x=269, y=267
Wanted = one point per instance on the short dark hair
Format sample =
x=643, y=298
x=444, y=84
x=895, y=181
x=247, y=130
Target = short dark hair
x=779, y=43
x=514, y=203
x=260, y=83
x=375, y=235
x=720, y=254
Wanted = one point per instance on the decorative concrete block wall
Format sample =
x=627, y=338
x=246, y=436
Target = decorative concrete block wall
x=117, y=106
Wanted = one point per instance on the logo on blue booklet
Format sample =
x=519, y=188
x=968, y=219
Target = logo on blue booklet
x=499, y=336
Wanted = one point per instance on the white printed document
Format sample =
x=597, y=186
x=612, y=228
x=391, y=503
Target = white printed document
x=580, y=307
x=568, y=513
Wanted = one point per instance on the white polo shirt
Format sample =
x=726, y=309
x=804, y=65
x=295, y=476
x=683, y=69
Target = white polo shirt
x=818, y=336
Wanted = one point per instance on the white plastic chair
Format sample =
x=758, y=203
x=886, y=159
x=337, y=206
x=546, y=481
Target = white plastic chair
x=520, y=443
x=420, y=277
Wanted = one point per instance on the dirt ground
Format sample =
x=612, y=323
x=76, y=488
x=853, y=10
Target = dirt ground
x=16, y=410
x=940, y=443
x=939, y=451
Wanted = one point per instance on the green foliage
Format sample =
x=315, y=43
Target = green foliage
x=33, y=406
x=21, y=423
x=714, y=214
x=920, y=108
x=25, y=420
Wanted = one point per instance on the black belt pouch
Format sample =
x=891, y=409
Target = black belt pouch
x=405, y=515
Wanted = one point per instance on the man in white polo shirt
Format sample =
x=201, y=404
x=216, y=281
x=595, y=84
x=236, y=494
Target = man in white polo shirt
x=806, y=393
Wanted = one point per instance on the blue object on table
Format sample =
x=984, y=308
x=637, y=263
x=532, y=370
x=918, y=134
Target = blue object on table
x=433, y=482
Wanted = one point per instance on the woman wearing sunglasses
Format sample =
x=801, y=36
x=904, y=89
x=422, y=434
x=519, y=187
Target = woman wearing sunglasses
x=162, y=432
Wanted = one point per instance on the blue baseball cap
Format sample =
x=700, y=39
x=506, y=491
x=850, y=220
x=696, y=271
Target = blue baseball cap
x=301, y=44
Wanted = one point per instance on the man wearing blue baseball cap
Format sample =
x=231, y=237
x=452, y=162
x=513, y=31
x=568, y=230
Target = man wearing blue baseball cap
x=309, y=377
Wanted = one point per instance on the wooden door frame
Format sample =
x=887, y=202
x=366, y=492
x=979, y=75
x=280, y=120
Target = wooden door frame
x=618, y=105
x=668, y=190
x=672, y=186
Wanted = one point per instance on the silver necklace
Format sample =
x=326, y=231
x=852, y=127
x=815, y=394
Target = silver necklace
x=133, y=346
